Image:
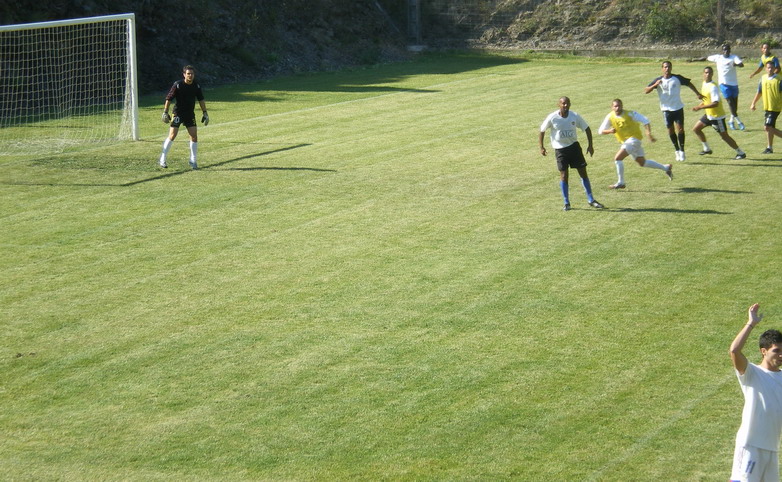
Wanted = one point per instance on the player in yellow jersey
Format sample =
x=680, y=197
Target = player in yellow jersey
x=714, y=116
x=765, y=56
x=770, y=88
x=626, y=126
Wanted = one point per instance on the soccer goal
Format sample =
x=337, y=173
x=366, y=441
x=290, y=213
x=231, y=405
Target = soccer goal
x=68, y=83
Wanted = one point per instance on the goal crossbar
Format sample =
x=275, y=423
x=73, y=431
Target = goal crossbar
x=21, y=56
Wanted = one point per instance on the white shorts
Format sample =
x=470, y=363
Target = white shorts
x=633, y=147
x=751, y=464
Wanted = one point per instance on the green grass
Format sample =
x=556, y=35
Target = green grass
x=371, y=278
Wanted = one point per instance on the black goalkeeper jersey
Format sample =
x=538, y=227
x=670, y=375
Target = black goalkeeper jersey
x=185, y=95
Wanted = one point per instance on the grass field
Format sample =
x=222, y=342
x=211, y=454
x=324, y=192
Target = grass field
x=371, y=278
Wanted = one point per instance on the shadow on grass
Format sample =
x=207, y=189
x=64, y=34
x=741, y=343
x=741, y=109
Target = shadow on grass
x=167, y=175
x=668, y=210
x=760, y=162
x=702, y=190
x=377, y=79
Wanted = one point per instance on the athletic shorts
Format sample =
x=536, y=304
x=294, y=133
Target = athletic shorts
x=718, y=124
x=671, y=116
x=770, y=118
x=187, y=120
x=751, y=464
x=729, y=91
x=633, y=147
x=571, y=156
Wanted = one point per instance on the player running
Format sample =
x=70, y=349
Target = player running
x=184, y=92
x=714, y=116
x=626, y=126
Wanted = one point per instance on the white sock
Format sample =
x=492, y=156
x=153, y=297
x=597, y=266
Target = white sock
x=620, y=171
x=166, y=146
x=706, y=146
x=654, y=165
x=193, y=151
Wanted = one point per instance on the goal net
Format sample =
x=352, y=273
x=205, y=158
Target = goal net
x=67, y=83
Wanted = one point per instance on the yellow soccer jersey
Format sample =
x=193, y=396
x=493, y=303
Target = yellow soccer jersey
x=626, y=126
x=711, y=93
x=771, y=88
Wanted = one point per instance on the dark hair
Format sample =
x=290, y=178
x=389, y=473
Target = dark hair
x=770, y=337
x=188, y=67
x=709, y=69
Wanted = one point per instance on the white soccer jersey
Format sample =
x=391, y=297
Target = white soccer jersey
x=564, y=130
x=726, y=68
x=670, y=90
x=761, y=419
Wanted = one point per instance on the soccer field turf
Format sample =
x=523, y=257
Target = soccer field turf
x=371, y=277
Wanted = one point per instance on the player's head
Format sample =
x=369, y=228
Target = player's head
x=708, y=74
x=667, y=67
x=616, y=106
x=726, y=50
x=771, y=349
x=188, y=72
x=564, y=104
x=770, y=68
x=765, y=48
x=769, y=338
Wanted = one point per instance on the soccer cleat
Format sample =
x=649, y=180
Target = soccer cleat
x=704, y=152
x=741, y=156
x=669, y=171
x=731, y=125
x=682, y=156
x=162, y=163
x=768, y=150
x=596, y=204
x=193, y=164
x=566, y=207
x=616, y=186
x=741, y=125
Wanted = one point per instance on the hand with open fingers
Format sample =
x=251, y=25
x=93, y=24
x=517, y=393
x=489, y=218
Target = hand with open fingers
x=166, y=118
x=754, y=316
x=205, y=119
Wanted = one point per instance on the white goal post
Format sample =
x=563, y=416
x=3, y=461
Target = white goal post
x=68, y=83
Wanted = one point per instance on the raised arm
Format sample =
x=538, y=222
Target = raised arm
x=737, y=356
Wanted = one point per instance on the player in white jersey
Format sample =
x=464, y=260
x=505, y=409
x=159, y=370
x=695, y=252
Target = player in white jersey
x=729, y=81
x=756, y=456
x=564, y=125
x=668, y=87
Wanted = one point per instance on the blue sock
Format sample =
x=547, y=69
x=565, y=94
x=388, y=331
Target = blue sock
x=564, y=188
x=588, y=188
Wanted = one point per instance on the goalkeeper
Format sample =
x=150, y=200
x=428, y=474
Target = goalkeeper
x=184, y=92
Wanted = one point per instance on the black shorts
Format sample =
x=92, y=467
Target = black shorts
x=717, y=124
x=188, y=120
x=672, y=116
x=770, y=118
x=570, y=156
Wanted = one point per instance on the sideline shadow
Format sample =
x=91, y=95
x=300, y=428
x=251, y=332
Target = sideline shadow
x=702, y=190
x=669, y=210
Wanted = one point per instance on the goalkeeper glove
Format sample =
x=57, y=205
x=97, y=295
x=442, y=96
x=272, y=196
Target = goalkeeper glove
x=166, y=118
x=205, y=119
